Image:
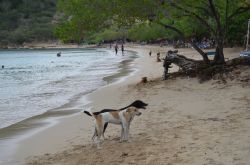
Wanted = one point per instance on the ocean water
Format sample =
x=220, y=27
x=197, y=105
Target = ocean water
x=35, y=81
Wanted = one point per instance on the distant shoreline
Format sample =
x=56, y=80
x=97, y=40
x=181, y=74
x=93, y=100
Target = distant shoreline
x=46, y=45
x=59, y=45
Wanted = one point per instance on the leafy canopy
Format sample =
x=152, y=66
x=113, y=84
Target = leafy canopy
x=188, y=16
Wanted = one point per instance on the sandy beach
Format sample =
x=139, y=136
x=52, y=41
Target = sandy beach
x=186, y=122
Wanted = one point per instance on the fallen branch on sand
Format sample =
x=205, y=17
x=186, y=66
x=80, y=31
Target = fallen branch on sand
x=196, y=68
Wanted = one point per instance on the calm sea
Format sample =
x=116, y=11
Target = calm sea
x=35, y=81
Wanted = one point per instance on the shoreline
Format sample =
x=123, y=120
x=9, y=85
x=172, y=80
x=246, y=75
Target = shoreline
x=58, y=124
x=45, y=45
x=69, y=141
x=85, y=126
x=29, y=127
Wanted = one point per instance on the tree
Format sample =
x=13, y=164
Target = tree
x=82, y=18
x=215, y=16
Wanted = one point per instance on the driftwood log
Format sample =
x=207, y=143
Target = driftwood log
x=187, y=65
x=204, y=71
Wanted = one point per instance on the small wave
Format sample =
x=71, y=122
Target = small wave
x=63, y=66
x=18, y=68
x=45, y=94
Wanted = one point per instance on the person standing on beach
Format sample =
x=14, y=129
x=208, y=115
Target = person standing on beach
x=116, y=48
x=150, y=53
x=158, y=57
x=122, y=47
x=166, y=65
x=2, y=66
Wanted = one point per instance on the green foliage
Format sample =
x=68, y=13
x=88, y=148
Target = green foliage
x=199, y=15
x=212, y=18
x=237, y=31
x=81, y=18
x=26, y=21
x=70, y=32
x=148, y=32
x=107, y=20
x=110, y=35
x=188, y=16
x=140, y=32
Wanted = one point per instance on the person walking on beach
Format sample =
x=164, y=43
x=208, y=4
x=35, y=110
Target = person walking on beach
x=150, y=53
x=2, y=66
x=116, y=48
x=122, y=47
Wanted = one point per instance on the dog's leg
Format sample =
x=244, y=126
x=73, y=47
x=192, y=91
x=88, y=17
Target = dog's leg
x=125, y=130
x=94, y=135
x=99, y=131
x=98, y=139
x=126, y=136
x=128, y=132
x=129, y=126
x=122, y=134
x=105, y=126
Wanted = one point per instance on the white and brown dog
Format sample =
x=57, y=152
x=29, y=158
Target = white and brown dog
x=137, y=104
x=123, y=117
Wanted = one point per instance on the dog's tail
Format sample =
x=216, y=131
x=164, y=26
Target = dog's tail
x=87, y=112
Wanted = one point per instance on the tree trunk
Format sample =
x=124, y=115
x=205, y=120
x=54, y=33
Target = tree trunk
x=219, y=55
x=203, y=54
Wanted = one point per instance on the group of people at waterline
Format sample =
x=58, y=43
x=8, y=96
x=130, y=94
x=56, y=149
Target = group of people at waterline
x=117, y=48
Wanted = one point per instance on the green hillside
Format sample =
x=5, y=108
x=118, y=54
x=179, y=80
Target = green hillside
x=26, y=21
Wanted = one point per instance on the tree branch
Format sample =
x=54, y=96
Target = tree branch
x=203, y=54
x=216, y=14
x=193, y=14
x=226, y=19
x=204, y=10
x=172, y=28
x=239, y=11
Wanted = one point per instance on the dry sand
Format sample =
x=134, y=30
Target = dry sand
x=185, y=123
